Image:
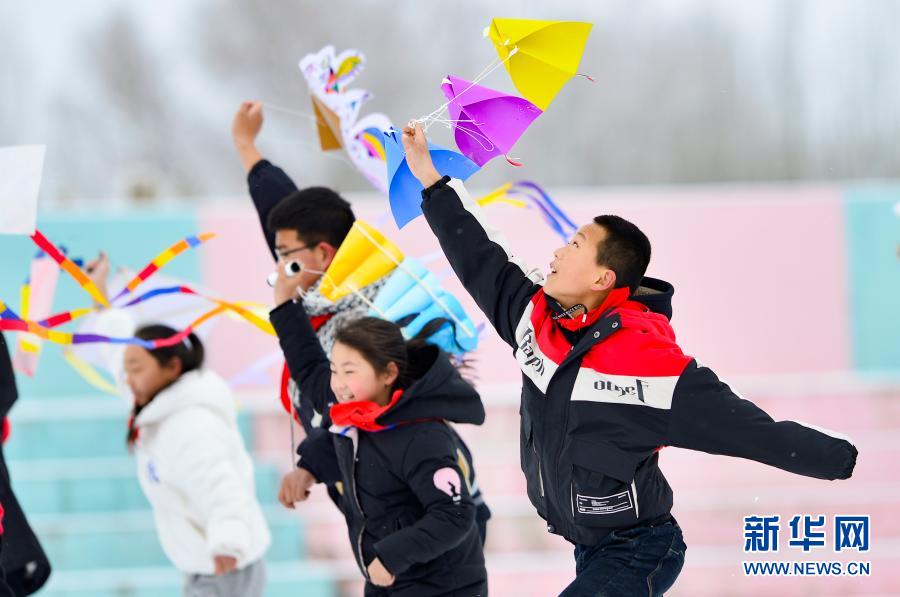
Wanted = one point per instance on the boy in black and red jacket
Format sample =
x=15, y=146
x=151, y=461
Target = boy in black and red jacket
x=604, y=387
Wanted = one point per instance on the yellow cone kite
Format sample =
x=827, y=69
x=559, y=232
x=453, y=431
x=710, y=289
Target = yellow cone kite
x=364, y=257
x=540, y=56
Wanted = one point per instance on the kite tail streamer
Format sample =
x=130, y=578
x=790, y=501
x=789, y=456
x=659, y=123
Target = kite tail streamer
x=161, y=260
x=68, y=266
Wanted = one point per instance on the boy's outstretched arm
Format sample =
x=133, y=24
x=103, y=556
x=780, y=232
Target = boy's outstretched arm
x=499, y=283
x=268, y=183
x=708, y=415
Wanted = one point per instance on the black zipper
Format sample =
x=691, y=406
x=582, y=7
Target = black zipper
x=362, y=516
x=596, y=336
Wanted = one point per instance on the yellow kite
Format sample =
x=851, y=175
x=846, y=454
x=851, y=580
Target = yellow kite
x=365, y=256
x=540, y=56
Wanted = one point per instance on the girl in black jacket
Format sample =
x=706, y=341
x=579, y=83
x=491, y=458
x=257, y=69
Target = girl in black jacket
x=391, y=453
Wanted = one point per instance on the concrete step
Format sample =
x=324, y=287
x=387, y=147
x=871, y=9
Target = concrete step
x=93, y=427
x=128, y=539
x=284, y=579
x=99, y=485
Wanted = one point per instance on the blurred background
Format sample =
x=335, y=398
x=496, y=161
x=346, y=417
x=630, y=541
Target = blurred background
x=755, y=143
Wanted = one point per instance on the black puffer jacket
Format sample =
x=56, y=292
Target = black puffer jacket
x=21, y=556
x=602, y=393
x=405, y=493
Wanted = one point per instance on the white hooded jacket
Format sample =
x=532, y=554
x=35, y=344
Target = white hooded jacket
x=193, y=467
x=198, y=477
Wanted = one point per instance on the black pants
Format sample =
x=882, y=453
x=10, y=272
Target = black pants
x=477, y=590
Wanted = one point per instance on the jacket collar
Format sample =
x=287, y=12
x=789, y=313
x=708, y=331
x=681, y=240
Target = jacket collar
x=616, y=298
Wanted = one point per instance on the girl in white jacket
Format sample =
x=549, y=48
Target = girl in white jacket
x=192, y=463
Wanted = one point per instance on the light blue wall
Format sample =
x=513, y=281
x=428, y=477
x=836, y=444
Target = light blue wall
x=873, y=235
x=132, y=238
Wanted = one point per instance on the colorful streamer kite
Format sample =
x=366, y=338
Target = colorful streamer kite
x=337, y=111
x=68, y=266
x=162, y=259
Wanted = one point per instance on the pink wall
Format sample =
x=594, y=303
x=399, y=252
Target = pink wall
x=235, y=265
x=758, y=271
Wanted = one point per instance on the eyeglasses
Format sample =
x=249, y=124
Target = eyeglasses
x=283, y=254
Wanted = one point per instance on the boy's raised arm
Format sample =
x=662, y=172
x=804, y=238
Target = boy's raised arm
x=307, y=362
x=268, y=183
x=500, y=285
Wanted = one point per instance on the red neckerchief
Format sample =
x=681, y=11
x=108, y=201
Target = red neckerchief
x=317, y=322
x=616, y=298
x=6, y=429
x=362, y=413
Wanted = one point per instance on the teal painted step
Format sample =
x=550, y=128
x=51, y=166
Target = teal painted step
x=79, y=427
x=99, y=485
x=128, y=539
x=289, y=579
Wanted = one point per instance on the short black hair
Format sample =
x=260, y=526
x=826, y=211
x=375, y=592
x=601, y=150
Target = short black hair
x=317, y=214
x=625, y=251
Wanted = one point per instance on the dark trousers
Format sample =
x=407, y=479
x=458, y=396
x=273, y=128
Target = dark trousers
x=476, y=590
x=643, y=560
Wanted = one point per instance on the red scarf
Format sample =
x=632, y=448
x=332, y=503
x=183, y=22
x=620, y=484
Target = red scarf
x=362, y=413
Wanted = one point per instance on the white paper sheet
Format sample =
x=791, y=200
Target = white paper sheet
x=20, y=180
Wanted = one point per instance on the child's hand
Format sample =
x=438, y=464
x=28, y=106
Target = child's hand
x=247, y=123
x=98, y=271
x=286, y=287
x=244, y=129
x=379, y=575
x=224, y=564
x=418, y=156
x=295, y=487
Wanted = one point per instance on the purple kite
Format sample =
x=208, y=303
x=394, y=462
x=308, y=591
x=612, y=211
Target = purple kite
x=487, y=122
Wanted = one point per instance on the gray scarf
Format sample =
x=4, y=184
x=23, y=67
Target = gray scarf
x=348, y=308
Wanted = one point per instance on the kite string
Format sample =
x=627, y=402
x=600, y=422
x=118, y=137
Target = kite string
x=325, y=154
x=298, y=113
x=341, y=157
x=473, y=133
x=429, y=118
